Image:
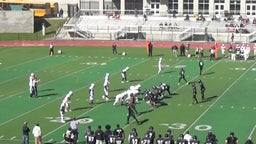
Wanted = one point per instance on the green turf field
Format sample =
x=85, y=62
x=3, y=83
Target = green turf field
x=229, y=105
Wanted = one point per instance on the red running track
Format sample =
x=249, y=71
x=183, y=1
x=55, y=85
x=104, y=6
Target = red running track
x=104, y=43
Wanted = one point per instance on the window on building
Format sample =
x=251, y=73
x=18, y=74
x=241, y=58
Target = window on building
x=173, y=5
x=203, y=7
x=235, y=6
x=188, y=7
x=251, y=7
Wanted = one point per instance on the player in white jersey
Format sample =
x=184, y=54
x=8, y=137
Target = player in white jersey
x=124, y=74
x=106, y=87
x=159, y=65
x=91, y=93
x=30, y=83
x=120, y=98
x=67, y=101
x=223, y=50
x=62, y=111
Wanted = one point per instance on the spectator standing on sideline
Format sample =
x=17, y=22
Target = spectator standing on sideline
x=202, y=88
x=34, y=86
x=25, y=130
x=182, y=50
x=195, y=101
x=51, y=48
x=231, y=139
x=37, y=134
x=201, y=66
x=150, y=49
x=182, y=76
x=223, y=50
x=114, y=49
x=30, y=83
x=175, y=50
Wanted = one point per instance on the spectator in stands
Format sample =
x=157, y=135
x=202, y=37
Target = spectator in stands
x=254, y=21
x=145, y=17
x=214, y=18
x=174, y=13
x=187, y=18
x=61, y=12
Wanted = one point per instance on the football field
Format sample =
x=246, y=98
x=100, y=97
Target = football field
x=229, y=104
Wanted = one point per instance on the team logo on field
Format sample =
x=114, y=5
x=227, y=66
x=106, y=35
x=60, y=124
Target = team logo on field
x=67, y=119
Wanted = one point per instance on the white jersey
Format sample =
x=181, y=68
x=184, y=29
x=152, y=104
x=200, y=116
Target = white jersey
x=159, y=65
x=119, y=97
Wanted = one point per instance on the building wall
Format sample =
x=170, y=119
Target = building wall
x=16, y=22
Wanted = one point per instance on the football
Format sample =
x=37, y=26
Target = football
x=123, y=53
x=59, y=52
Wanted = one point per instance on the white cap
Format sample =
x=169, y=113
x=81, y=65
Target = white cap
x=32, y=74
x=70, y=92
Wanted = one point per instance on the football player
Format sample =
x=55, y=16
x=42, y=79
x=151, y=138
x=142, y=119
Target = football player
x=182, y=76
x=201, y=66
x=91, y=93
x=159, y=65
x=106, y=87
x=124, y=75
x=62, y=111
x=165, y=87
x=120, y=97
x=194, y=94
x=67, y=101
x=202, y=88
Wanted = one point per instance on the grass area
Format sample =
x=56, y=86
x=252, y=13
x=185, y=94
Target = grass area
x=51, y=24
x=229, y=104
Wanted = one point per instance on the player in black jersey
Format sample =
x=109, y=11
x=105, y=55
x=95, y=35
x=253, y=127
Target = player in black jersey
x=182, y=76
x=194, y=140
x=202, y=88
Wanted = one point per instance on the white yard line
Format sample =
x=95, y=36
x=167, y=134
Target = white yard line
x=219, y=97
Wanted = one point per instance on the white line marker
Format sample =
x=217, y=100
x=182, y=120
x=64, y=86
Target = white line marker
x=12, y=138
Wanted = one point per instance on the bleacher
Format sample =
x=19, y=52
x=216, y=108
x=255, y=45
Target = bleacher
x=158, y=28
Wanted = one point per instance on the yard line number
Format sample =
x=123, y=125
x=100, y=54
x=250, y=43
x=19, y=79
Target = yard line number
x=179, y=126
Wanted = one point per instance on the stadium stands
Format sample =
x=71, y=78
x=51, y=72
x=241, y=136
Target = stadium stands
x=155, y=28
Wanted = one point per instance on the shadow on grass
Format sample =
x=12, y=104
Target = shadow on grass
x=47, y=95
x=147, y=111
x=135, y=80
x=117, y=90
x=46, y=90
x=209, y=73
x=81, y=108
x=208, y=99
